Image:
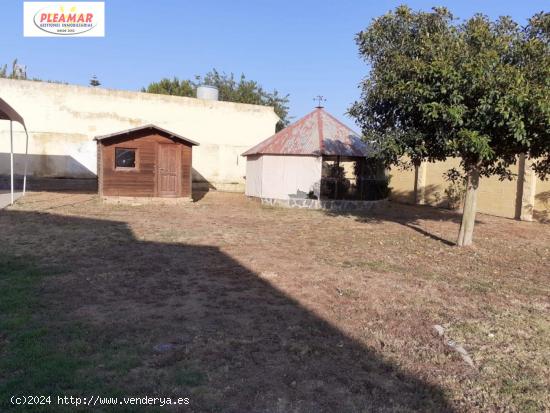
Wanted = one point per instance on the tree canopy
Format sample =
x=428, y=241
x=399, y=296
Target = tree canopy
x=94, y=81
x=241, y=90
x=173, y=86
x=17, y=71
x=476, y=90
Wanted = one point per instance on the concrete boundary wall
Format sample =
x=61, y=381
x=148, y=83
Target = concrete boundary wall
x=63, y=120
x=525, y=197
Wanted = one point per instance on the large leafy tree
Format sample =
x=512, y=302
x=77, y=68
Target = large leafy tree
x=241, y=90
x=476, y=90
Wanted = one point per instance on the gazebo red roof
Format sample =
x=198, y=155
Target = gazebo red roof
x=318, y=133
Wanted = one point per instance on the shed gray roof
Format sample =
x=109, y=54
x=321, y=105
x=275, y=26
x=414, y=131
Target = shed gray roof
x=149, y=126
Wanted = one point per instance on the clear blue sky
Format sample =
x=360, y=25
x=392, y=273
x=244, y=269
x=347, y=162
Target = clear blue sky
x=303, y=48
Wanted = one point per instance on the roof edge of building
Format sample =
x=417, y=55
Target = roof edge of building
x=143, y=127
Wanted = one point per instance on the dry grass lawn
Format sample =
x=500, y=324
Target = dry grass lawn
x=273, y=310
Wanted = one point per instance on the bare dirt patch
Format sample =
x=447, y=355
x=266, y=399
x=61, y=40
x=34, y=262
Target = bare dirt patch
x=265, y=309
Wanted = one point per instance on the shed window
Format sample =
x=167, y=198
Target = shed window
x=125, y=158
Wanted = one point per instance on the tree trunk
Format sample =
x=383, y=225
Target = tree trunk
x=470, y=205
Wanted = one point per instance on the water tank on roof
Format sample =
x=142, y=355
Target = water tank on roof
x=207, y=92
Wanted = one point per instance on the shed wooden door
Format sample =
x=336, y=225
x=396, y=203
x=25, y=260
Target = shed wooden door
x=168, y=170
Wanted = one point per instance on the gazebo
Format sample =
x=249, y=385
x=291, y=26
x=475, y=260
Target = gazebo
x=10, y=114
x=315, y=159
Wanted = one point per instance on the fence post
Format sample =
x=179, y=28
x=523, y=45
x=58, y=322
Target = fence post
x=420, y=172
x=528, y=188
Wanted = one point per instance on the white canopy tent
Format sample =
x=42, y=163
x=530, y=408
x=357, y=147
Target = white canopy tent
x=10, y=114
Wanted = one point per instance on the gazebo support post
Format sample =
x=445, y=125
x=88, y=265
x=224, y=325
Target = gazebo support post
x=336, y=180
x=361, y=173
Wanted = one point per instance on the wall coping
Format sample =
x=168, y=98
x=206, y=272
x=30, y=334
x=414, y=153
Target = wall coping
x=130, y=94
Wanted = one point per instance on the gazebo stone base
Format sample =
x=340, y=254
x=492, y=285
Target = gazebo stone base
x=327, y=204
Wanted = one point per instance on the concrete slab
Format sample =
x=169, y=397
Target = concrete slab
x=5, y=198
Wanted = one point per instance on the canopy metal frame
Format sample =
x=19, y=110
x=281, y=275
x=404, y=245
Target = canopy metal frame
x=10, y=114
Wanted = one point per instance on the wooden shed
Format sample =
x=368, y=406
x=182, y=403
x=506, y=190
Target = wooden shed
x=147, y=161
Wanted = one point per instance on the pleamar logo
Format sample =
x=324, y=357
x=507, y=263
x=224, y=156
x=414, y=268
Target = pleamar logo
x=64, y=19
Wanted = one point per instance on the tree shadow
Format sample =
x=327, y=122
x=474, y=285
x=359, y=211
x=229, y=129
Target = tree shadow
x=433, y=195
x=410, y=216
x=542, y=214
x=45, y=173
x=200, y=185
x=257, y=348
x=45, y=165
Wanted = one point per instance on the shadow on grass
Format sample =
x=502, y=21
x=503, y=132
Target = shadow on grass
x=410, y=216
x=229, y=340
x=543, y=213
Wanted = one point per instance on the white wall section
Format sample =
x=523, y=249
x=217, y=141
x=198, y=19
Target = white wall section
x=286, y=176
x=254, y=176
x=63, y=120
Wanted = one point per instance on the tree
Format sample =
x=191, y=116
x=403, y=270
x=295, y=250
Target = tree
x=173, y=86
x=535, y=62
x=94, y=82
x=230, y=90
x=477, y=91
x=17, y=71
